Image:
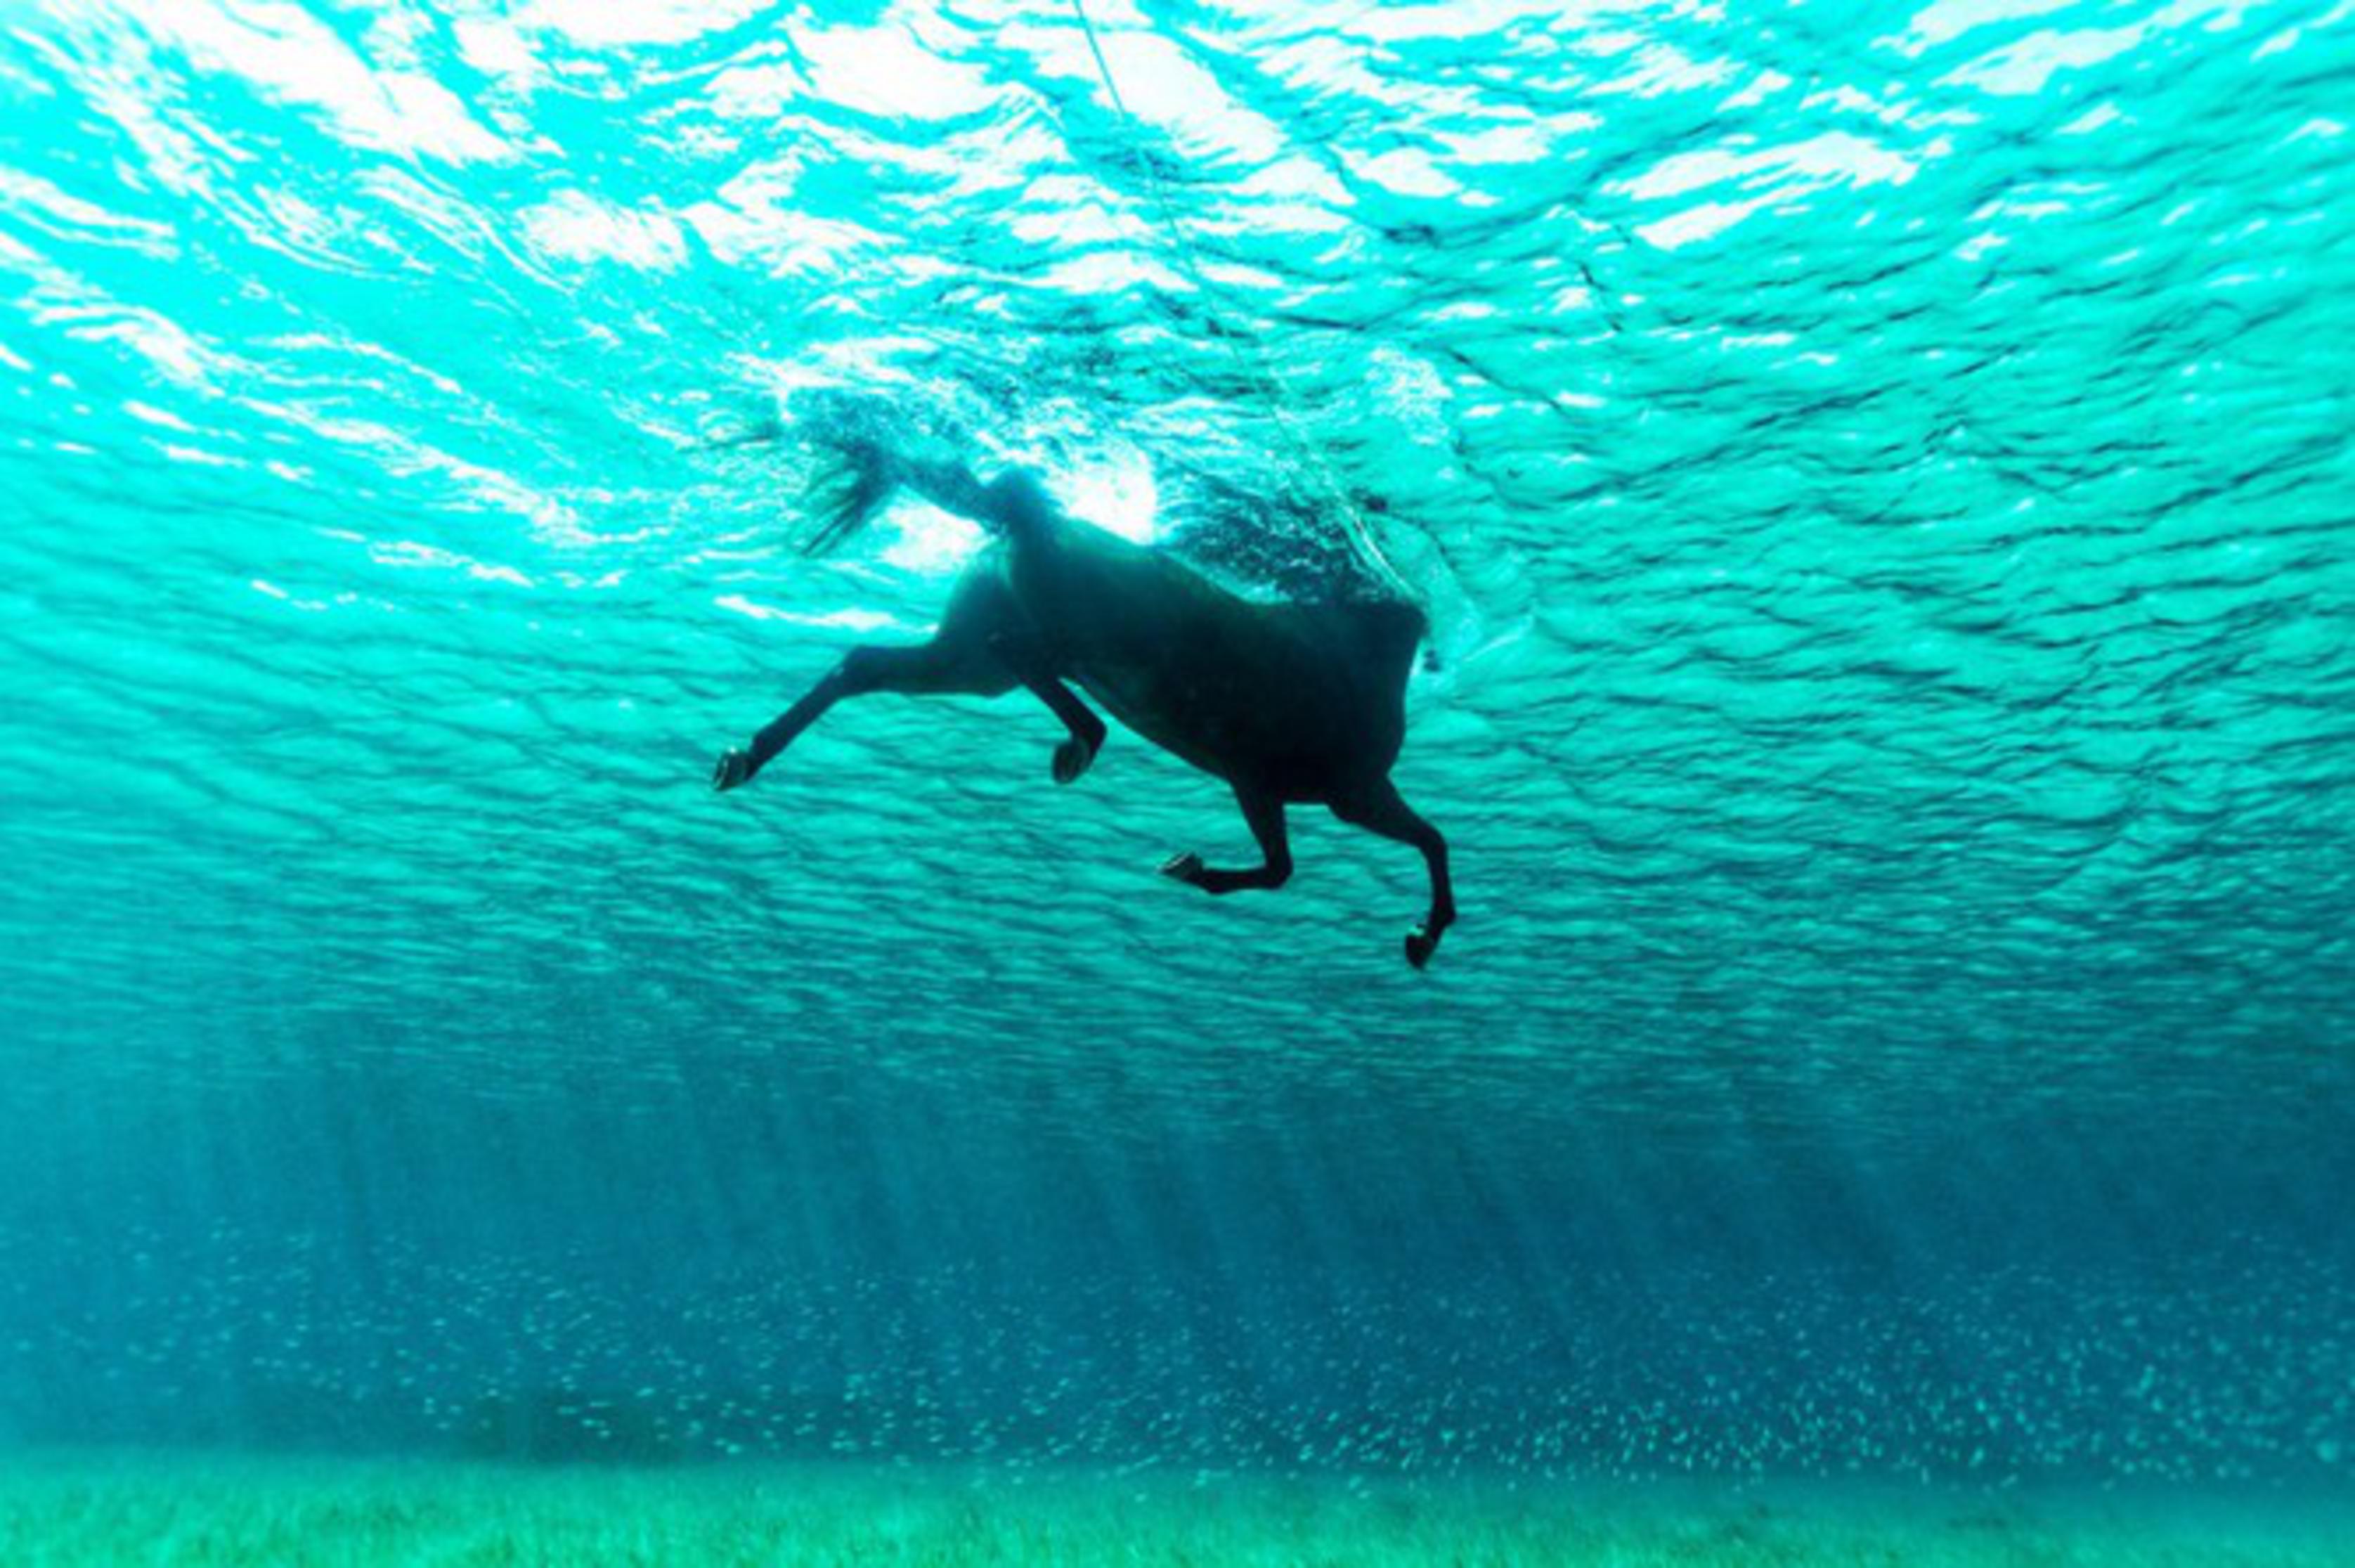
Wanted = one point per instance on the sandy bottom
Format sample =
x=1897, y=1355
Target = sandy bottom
x=113, y=1507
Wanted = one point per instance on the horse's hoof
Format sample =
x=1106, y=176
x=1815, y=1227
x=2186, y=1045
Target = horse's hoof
x=734, y=767
x=1071, y=760
x=1420, y=945
x=1186, y=867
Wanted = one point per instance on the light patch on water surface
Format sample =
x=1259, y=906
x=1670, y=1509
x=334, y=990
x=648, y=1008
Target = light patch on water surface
x=1073, y=210
x=606, y=24
x=176, y=354
x=575, y=227
x=146, y=414
x=2094, y=119
x=1293, y=195
x=1834, y=157
x=1119, y=497
x=410, y=553
x=1402, y=171
x=928, y=541
x=1411, y=391
x=1475, y=19
x=1657, y=71
x=2290, y=37
x=1947, y=20
x=1763, y=86
x=1514, y=141
x=754, y=221
x=882, y=71
x=494, y=47
x=198, y=456
x=762, y=212
x=853, y=620
x=47, y=207
x=1162, y=86
x=2021, y=68
x=312, y=605
x=1110, y=273
x=474, y=487
x=292, y=58
x=1788, y=172
x=757, y=91
x=550, y=519
x=1697, y=223
x=316, y=236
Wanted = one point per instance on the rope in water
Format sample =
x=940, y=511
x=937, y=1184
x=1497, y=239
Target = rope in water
x=1249, y=354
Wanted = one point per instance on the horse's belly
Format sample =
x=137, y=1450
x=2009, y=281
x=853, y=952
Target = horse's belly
x=1169, y=708
x=1261, y=695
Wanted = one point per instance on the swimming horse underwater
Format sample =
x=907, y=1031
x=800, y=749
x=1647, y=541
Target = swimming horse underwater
x=1288, y=703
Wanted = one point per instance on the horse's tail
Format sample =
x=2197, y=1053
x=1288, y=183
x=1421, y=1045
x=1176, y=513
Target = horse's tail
x=1013, y=505
x=853, y=481
x=864, y=448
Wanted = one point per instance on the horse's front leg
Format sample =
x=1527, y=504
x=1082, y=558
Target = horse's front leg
x=939, y=668
x=1265, y=813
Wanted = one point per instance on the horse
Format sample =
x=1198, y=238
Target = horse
x=1288, y=703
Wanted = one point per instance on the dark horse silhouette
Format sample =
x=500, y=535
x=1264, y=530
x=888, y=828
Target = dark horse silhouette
x=1288, y=703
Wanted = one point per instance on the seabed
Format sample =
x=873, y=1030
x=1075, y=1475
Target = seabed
x=66, y=1508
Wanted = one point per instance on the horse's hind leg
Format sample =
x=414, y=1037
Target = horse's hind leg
x=1378, y=809
x=943, y=667
x=1038, y=676
x=1265, y=813
x=1087, y=737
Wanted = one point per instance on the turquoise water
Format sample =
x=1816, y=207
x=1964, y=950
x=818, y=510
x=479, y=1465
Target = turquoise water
x=1883, y=485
